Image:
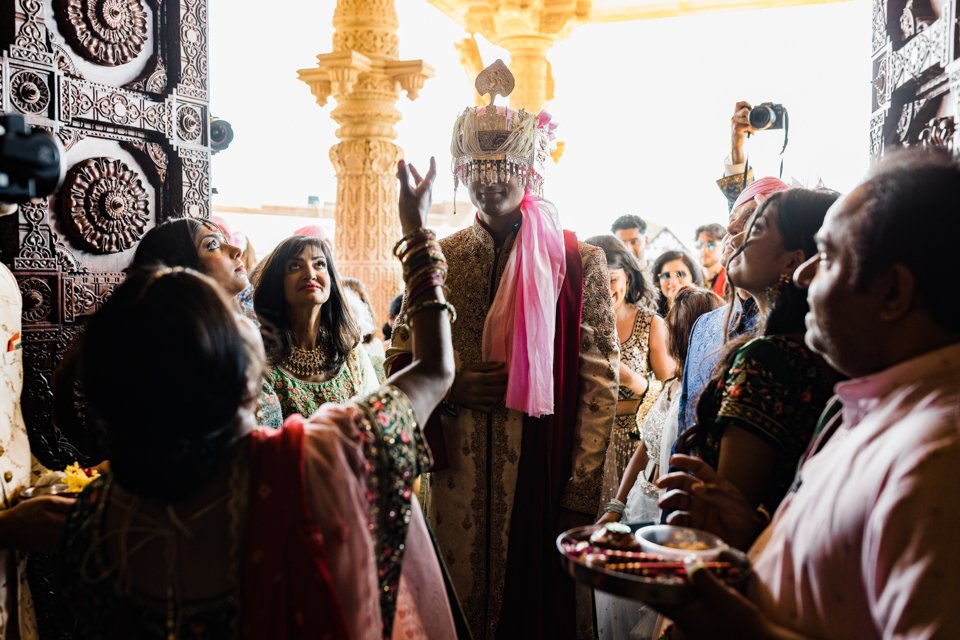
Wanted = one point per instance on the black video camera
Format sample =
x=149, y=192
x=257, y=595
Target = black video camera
x=767, y=116
x=31, y=163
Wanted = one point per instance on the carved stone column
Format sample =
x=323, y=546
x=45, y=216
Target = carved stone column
x=527, y=30
x=364, y=75
x=529, y=65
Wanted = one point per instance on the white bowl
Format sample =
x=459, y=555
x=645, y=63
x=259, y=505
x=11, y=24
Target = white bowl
x=667, y=540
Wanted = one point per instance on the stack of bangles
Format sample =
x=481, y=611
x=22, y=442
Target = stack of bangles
x=616, y=506
x=424, y=269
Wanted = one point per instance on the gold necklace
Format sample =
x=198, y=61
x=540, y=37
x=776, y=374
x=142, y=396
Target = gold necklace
x=305, y=363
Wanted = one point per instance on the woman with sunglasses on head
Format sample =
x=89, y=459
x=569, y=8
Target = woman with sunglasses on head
x=209, y=528
x=757, y=415
x=674, y=270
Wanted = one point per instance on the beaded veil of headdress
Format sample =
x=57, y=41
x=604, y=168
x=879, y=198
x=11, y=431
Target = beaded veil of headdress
x=493, y=143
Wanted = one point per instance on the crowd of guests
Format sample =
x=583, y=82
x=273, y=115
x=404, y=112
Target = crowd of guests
x=274, y=472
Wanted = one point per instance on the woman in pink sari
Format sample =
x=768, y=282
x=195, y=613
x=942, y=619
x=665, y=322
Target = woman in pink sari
x=208, y=527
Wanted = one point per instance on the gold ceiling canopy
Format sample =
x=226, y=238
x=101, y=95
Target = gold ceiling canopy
x=528, y=28
x=560, y=16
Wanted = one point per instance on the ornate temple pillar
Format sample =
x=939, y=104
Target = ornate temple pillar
x=529, y=65
x=525, y=29
x=365, y=76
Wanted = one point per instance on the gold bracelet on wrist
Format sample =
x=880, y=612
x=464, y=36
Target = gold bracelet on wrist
x=430, y=304
x=419, y=231
x=762, y=510
x=615, y=506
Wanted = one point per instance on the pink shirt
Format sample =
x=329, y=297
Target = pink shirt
x=868, y=546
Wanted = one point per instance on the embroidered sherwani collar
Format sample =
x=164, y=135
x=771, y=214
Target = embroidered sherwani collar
x=483, y=235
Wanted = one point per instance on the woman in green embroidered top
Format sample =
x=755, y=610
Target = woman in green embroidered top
x=313, y=343
x=756, y=416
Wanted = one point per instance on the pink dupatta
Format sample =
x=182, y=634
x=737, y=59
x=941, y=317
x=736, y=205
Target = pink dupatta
x=520, y=326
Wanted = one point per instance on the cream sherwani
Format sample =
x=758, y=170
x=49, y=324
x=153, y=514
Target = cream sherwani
x=469, y=505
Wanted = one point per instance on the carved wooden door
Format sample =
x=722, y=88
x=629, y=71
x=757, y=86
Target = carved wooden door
x=123, y=85
x=916, y=74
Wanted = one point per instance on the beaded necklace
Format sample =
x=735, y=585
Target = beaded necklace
x=304, y=363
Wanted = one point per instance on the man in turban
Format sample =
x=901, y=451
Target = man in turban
x=519, y=446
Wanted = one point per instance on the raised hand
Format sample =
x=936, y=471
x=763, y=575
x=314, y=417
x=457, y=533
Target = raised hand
x=415, y=196
x=739, y=128
x=703, y=499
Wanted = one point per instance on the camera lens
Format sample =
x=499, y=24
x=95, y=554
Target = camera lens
x=761, y=117
x=221, y=134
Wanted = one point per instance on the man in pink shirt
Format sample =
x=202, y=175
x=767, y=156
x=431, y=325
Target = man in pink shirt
x=866, y=543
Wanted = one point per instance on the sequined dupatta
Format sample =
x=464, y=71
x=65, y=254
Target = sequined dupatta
x=384, y=575
x=396, y=453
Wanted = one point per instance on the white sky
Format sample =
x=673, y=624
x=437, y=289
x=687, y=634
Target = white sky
x=643, y=106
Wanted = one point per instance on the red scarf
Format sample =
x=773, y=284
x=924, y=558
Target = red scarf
x=538, y=599
x=720, y=282
x=287, y=588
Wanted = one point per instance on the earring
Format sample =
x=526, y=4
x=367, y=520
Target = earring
x=773, y=293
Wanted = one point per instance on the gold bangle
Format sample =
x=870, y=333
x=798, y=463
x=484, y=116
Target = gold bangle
x=762, y=510
x=420, y=231
x=430, y=304
x=615, y=506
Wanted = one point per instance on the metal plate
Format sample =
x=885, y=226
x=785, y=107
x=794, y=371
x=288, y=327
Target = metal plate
x=647, y=590
x=48, y=490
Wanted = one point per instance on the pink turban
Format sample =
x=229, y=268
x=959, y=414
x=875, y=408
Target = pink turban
x=315, y=231
x=761, y=189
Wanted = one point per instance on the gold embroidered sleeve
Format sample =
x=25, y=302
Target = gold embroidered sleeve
x=599, y=379
x=733, y=185
x=400, y=341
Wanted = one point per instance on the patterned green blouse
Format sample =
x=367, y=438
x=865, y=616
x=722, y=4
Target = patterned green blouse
x=773, y=390
x=296, y=396
x=269, y=413
x=396, y=453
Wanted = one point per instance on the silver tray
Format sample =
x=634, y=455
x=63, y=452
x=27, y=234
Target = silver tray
x=48, y=490
x=647, y=590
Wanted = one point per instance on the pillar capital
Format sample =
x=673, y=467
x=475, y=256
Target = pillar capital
x=364, y=74
x=527, y=30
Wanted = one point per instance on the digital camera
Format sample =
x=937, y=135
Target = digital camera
x=767, y=115
x=31, y=163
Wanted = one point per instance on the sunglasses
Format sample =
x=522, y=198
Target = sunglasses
x=667, y=275
x=710, y=246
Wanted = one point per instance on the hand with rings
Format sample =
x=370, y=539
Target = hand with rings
x=701, y=498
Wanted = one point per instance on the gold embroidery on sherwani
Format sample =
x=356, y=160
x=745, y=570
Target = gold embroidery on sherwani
x=732, y=186
x=599, y=380
x=469, y=505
